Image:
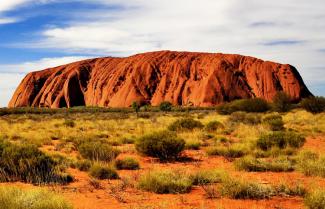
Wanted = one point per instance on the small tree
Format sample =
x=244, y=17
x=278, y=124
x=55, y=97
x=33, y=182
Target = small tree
x=282, y=102
x=165, y=106
x=135, y=107
x=313, y=104
x=164, y=145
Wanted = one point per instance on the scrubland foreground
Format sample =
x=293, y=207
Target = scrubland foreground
x=160, y=159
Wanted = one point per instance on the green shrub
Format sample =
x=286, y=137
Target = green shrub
x=289, y=190
x=127, y=140
x=164, y=145
x=274, y=152
x=263, y=165
x=311, y=164
x=245, y=105
x=281, y=102
x=15, y=198
x=136, y=107
x=97, y=151
x=28, y=164
x=165, y=106
x=315, y=199
x=239, y=189
x=280, y=139
x=127, y=163
x=203, y=177
x=185, y=124
x=246, y=118
x=313, y=104
x=165, y=182
x=103, y=172
x=274, y=121
x=193, y=145
x=213, y=126
x=229, y=152
x=83, y=165
x=69, y=123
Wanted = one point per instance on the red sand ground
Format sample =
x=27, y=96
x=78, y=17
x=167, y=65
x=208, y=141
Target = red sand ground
x=84, y=196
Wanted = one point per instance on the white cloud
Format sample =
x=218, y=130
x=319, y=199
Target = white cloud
x=8, y=84
x=39, y=64
x=7, y=20
x=9, y=5
x=286, y=31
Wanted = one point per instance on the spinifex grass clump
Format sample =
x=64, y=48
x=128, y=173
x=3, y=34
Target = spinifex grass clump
x=127, y=163
x=204, y=177
x=280, y=139
x=240, y=189
x=185, y=124
x=164, y=145
x=28, y=164
x=315, y=199
x=263, y=165
x=101, y=171
x=311, y=164
x=165, y=182
x=83, y=165
x=234, y=151
x=14, y=198
x=97, y=151
x=213, y=126
x=274, y=121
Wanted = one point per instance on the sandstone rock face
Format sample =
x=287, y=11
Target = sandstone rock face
x=183, y=78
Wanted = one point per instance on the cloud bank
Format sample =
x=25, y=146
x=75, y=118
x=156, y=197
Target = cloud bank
x=286, y=31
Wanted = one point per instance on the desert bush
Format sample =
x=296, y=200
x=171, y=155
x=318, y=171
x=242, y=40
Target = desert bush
x=95, y=183
x=240, y=189
x=262, y=165
x=274, y=152
x=203, y=177
x=210, y=191
x=229, y=152
x=136, y=107
x=185, y=124
x=290, y=190
x=165, y=106
x=274, y=121
x=280, y=139
x=315, y=199
x=281, y=102
x=83, y=165
x=193, y=145
x=246, y=118
x=311, y=164
x=165, y=182
x=28, y=164
x=127, y=140
x=245, y=105
x=97, y=151
x=213, y=126
x=313, y=104
x=103, y=172
x=164, y=145
x=15, y=198
x=127, y=163
x=69, y=123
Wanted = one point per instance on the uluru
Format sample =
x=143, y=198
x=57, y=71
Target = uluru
x=182, y=78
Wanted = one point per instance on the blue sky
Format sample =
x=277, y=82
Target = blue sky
x=35, y=34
